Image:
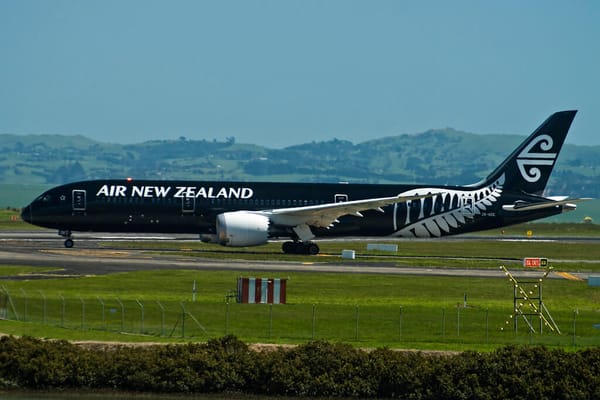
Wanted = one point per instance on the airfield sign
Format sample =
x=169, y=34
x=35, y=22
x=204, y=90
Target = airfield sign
x=534, y=262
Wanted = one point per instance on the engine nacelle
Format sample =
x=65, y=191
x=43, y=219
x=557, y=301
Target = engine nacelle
x=242, y=228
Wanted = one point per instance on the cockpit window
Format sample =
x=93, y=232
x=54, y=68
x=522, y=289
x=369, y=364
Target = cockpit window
x=45, y=198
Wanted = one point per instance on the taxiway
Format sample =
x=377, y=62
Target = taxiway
x=44, y=249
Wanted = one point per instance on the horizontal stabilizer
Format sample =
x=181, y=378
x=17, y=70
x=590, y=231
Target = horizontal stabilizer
x=521, y=206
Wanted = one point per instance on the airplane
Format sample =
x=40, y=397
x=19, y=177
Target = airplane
x=252, y=213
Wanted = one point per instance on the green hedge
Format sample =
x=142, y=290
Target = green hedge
x=314, y=369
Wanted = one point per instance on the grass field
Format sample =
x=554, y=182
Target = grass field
x=453, y=253
x=10, y=220
x=362, y=309
x=366, y=310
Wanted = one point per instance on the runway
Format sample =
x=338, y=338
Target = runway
x=44, y=249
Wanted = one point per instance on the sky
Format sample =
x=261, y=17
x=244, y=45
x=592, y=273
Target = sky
x=278, y=73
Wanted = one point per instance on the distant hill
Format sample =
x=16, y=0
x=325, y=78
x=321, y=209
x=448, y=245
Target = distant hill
x=436, y=156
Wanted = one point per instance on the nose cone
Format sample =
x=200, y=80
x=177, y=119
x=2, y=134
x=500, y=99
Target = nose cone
x=26, y=214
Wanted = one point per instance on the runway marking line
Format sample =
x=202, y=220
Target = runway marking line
x=569, y=276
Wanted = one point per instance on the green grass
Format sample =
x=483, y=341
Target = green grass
x=396, y=311
x=545, y=229
x=18, y=270
x=454, y=253
x=10, y=219
x=366, y=310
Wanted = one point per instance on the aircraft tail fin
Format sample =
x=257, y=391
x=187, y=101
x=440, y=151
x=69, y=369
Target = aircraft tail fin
x=528, y=168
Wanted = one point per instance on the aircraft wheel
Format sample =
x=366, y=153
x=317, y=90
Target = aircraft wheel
x=312, y=248
x=69, y=243
x=299, y=248
x=288, y=247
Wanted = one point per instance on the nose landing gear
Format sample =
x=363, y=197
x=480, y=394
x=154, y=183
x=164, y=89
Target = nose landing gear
x=69, y=240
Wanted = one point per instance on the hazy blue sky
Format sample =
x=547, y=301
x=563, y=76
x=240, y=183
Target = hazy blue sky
x=278, y=73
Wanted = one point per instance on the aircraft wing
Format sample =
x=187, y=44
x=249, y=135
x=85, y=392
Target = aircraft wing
x=325, y=215
x=521, y=206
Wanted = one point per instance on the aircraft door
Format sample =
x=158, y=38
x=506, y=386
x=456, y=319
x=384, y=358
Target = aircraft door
x=79, y=200
x=188, y=205
x=340, y=198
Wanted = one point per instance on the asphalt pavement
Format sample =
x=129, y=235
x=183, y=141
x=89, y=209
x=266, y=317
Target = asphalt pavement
x=45, y=249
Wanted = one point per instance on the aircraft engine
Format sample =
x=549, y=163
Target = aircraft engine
x=242, y=228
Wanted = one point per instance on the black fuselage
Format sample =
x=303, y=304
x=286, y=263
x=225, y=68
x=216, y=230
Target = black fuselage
x=250, y=213
x=192, y=207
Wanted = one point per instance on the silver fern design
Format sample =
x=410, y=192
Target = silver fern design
x=449, y=209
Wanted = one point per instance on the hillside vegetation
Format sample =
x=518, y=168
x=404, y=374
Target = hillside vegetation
x=436, y=157
x=316, y=369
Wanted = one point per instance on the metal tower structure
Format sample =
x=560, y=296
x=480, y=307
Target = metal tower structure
x=529, y=304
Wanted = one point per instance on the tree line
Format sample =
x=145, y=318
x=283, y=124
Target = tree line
x=436, y=157
x=318, y=368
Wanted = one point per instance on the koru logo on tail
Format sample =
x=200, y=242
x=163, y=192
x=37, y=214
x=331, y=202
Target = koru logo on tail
x=529, y=160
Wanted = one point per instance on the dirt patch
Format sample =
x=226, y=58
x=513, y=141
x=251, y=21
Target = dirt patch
x=258, y=347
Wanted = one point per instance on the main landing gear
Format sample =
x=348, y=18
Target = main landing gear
x=300, y=248
x=69, y=240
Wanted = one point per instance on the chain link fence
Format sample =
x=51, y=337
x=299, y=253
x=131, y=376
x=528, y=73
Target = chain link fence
x=375, y=324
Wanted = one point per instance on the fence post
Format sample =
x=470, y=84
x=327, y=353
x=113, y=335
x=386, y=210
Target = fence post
x=25, y=298
x=142, y=307
x=82, y=312
x=487, y=325
x=356, y=330
x=44, y=306
x=62, y=313
x=314, y=320
x=3, y=297
x=162, y=318
x=10, y=302
x=103, y=312
x=226, y=316
x=443, y=323
x=182, y=320
x=458, y=320
x=122, y=315
x=400, y=323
